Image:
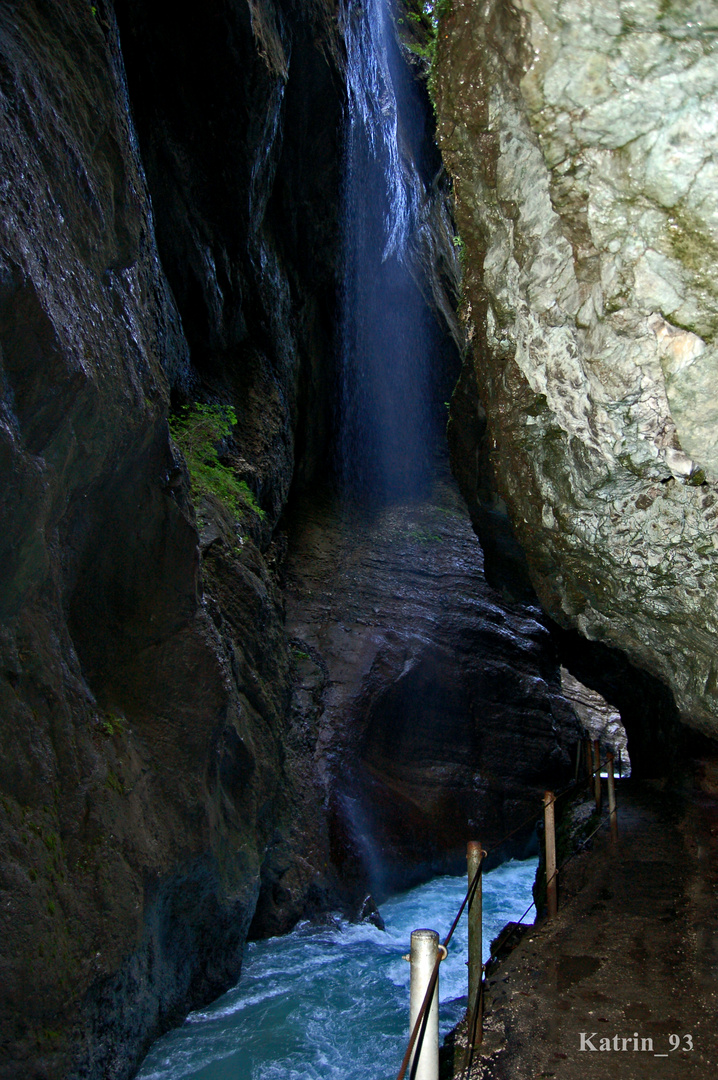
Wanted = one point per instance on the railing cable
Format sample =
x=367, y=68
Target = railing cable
x=478, y=1011
x=419, y=1028
x=420, y=1023
x=571, y=787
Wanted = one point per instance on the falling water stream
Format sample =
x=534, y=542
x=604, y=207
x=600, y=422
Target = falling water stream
x=332, y=1002
x=387, y=422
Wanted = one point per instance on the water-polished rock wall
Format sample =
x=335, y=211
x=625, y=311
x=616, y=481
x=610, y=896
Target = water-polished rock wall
x=581, y=138
x=144, y=672
x=427, y=710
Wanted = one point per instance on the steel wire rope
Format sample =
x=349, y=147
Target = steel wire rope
x=505, y=933
x=421, y=1020
x=573, y=786
x=580, y=848
x=422, y=1016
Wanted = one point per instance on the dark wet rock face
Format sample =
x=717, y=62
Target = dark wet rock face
x=238, y=116
x=430, y=711
x=144, y=682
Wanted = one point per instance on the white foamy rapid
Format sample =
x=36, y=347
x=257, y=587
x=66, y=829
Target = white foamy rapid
x=332, y=1002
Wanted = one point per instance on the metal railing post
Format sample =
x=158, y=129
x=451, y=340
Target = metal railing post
x=423, y=956
x=612, y=817
x=474, y=855
x=597, y=772
x=550, y=838
x=421, y=1058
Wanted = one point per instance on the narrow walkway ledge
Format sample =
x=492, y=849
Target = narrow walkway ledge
x=623, y=983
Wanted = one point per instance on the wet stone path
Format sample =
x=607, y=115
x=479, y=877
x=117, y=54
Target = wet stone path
x=624, y=982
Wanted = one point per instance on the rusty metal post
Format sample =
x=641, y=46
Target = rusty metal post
x=550, y=839
x=612, y=817
x=424, y=951
x=474, y=855
x=597, y=773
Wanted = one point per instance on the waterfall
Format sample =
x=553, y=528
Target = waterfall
x=387, y=422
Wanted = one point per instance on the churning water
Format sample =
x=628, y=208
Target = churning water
x=332, y=1002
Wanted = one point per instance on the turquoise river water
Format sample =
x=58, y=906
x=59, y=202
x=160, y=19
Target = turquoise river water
x=331, y=1002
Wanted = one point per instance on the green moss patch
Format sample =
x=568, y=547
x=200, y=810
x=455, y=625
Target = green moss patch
x=199, y=430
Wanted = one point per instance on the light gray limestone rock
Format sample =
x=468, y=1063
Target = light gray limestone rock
x=583, y=142
x=598, y=719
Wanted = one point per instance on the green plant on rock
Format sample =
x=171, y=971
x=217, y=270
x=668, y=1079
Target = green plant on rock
x=423, y=536
x=198, y=430
x=113, y=725
x=114, y=783
x=424, y=15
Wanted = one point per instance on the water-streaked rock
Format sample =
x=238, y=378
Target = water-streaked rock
x=144, y=676
x=427, y=711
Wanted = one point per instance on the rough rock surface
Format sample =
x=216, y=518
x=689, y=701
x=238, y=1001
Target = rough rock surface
x=427, y=708
x=239, y=120
x=581, y=138
x=599, y=719
x=143, y=689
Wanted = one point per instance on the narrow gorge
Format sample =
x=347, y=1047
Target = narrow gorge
x=357, y=458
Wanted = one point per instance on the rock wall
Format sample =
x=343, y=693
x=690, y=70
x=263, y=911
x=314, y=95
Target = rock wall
x=581, y=139
x=145, y=679
x=173, y=775
x=426, y=710
x=598, y=719
x=239, y=121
